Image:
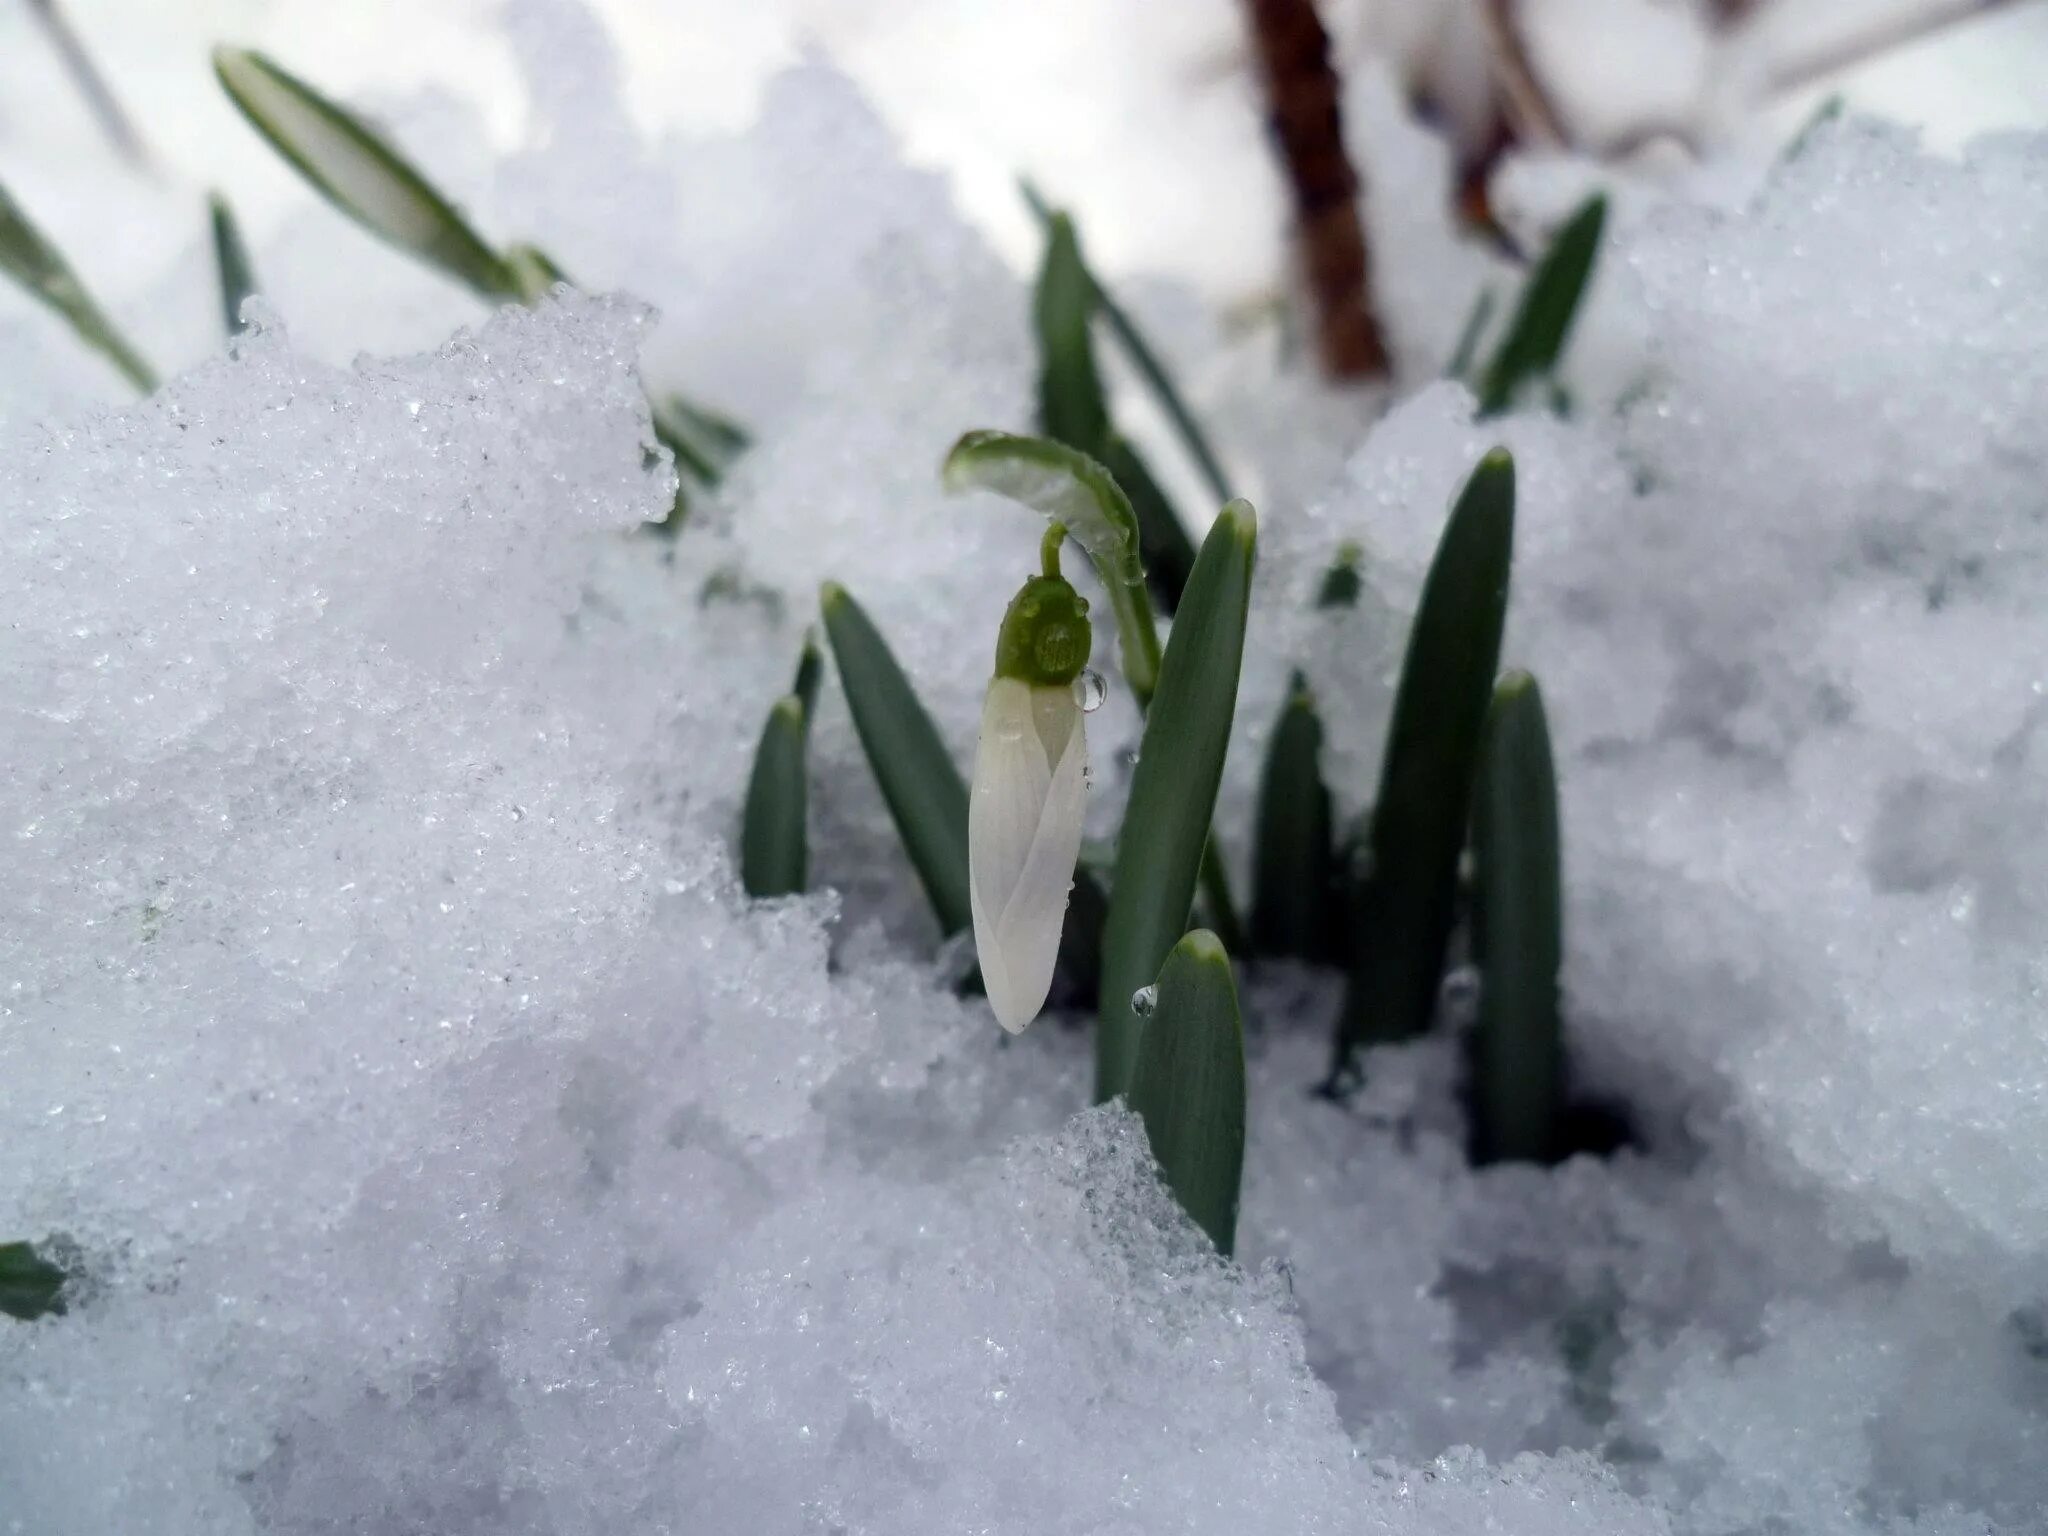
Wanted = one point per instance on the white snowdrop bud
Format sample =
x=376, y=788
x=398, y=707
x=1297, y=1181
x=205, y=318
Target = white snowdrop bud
x=1030, y=790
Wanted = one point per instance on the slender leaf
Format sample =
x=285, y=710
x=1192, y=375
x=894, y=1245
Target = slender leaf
x=1071, y=407
x=1467, y=349
x=1163, y=542
x=1149, y=368
x=1542, y=322
x=810, y=666
x=1188, y=1085
x=30, y=1285
x=1342, y=582
x=1295, y=875
x=1409, y=893
x=361, y=174
x=1173, y=791
x=774, y=857
x=1827, y=112
x=1072, y=489
x=92, y=85
x=1517, y=1051
x=30, y=259
x=231, y=260
x=924, y=790
x=534, y=272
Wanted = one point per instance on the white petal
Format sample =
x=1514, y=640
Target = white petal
x=1011, y=775
x=1017, y=917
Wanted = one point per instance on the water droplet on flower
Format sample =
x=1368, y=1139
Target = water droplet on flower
x=1145, y=1001
x=1090, y=691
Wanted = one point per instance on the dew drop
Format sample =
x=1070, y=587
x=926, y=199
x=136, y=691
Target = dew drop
x=1090, y=690
x=1145, y=1001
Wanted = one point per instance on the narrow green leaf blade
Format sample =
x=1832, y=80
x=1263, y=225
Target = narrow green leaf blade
x=30, y=1285
x=926, y=795
x=1071, y=408
x=38, y=266
x=1070, y=488
x=1517, y=1050
x=1295, y=878
x=1343, y=581
x=1163, y=542
x=774, y=856
x=1173, y=791
x=1542, y=323
x=1467, y=349
x=1148, y=366
x=356, y=170
x=1420, y=815
x=231, y=260
x=1188, y=1085
x=810, y=666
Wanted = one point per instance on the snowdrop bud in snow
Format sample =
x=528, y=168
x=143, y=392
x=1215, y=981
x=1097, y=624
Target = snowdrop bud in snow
x=1030, y=789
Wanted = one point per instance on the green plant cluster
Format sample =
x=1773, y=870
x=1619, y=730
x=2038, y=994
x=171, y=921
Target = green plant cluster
x=1467, y=765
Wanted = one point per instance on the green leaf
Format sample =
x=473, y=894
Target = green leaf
x=1342, y=582
x=1163, y=542
x=1146, y=362
x=1517, y=1050
x=1419, y=818
x=810, y=666
x=37, y=265
x=1827, y=112
x=924, y=790
x=1173, y=791
x=1188, y=1085
x=30, y=1285
x=1295, y=873
x=534, y=272
x=1467, y=349
x=1071, y=408
x=231, y=259
x=1070, y=488
x=361, y=174
x=774, y=858
x=1542, y=323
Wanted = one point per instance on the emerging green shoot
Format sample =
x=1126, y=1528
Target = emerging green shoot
x=1517, y=1050
x=231, y=261
x=774, y=852
x=1188, y=1085
x=926, y=795
x=1292, y=902
x=1343, y=582
x=1542, y=322
x=1409, y=890
x=30, y=1285
x=40, y=268
x=1173, y=790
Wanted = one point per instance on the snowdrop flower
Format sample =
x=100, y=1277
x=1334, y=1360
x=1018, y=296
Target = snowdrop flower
x=1030, y=789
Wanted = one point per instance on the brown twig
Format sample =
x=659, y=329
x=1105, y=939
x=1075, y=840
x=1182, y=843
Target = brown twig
x=1881, y=36
x=1302, y=101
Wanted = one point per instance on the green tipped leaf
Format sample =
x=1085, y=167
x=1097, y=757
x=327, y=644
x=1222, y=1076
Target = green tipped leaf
x=1467, y=349
x=924, y=790
x=1188, y=1085
x=810, y=666
x=1071, y=408
x=1517, y=1050
x=40, y=268
x=1146, y=362
x=1173, y=791
x=30, y=1285
x=1074, y=490
x=361, y=174
x=231, y=260
x=535, y=273
x=1295, y=865
x=774, y=856
x=1419, y=818
x=1542, y=324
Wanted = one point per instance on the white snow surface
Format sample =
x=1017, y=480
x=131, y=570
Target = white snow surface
x=449, y=1147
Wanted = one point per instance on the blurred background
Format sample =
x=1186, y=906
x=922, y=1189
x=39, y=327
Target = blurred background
x=1145, y=117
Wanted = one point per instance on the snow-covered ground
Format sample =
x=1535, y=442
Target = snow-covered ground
x=449, y=1147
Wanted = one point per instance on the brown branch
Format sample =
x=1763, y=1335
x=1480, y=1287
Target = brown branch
x=1302, y=108
x=1882, y=36
x=1524, y=100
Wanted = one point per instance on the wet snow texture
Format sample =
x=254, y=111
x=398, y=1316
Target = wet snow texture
x=450, y=1148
